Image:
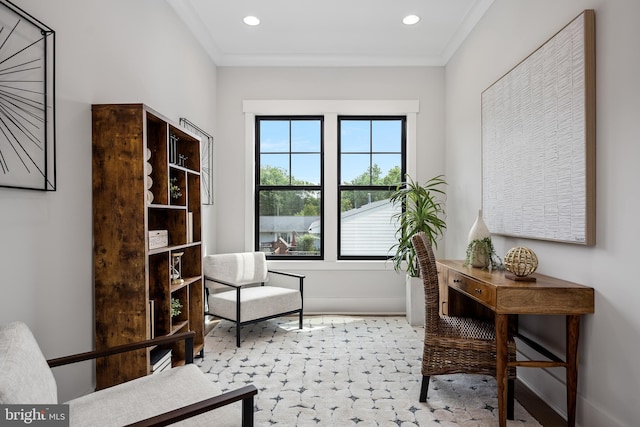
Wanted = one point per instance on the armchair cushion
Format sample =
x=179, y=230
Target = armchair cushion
x=256, y=302
x=172, y=389
x=25, y=375
x=238, y=268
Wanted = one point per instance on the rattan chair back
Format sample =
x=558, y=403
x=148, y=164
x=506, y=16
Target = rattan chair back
x=429, y=275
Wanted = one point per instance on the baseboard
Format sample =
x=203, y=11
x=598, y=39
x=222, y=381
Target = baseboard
x=545, y=390
x=350, y=313
x=537, y=407
x=355, y=306
x=538, y=404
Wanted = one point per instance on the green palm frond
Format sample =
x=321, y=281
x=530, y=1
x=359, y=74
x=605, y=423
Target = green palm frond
x=423, y=210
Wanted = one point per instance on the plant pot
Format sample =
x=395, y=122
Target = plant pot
x=414, y=301
x=480, y=256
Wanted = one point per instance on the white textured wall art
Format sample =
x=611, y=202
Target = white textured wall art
x=538, y=141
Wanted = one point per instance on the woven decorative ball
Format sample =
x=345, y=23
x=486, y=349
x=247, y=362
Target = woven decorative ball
x=520, y=261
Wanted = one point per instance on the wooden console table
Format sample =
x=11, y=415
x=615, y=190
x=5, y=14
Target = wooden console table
x=506, y=299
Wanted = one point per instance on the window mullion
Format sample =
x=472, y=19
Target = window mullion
x=290, y=157
x=370, y=152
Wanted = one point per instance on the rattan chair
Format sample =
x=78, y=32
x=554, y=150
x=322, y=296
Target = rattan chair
x=455, y=345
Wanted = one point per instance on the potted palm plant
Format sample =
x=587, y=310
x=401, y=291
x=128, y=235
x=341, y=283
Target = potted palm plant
x=422, y=210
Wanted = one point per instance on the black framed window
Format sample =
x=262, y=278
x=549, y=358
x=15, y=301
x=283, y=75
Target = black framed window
x=371, y=163
x=289, y=186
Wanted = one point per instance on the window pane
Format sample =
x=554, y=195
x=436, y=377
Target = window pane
x=371, y=161
x=355, y=136
x=305, y=169
x=386, y=136
x=366, y=224
x=274, y=136
x=274, y=169
x=290, y=223
x=289, y=157
x=385, y=163
x=354, y=169
x=305, y=136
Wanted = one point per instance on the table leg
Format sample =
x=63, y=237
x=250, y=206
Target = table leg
x=502, y=356
x=573, y=332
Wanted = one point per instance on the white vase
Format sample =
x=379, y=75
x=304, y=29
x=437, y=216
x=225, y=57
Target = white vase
x=479, y=231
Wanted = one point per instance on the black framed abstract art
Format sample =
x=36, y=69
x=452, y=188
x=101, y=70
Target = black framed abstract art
x=27, y=101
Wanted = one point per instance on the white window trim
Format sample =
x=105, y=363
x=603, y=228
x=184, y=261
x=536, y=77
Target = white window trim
x=330, y=109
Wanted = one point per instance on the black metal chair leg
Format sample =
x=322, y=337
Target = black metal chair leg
x=510, y=398
x=238, y=311
x=300, y=321
x=247, y=412
x=424, y=388
x=237, y=334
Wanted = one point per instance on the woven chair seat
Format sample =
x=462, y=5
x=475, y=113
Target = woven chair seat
x=465, y=328
x=463, y=345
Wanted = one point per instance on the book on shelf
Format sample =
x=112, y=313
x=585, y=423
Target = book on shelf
x=152, y=317
x=160, y=358
x=189, y=227
x=165, y=366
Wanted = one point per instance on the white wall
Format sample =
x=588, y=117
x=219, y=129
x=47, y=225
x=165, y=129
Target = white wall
x=106, y=52
x=331, y=286
x=610, y=339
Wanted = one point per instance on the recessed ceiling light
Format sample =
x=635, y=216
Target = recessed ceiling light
x=410, y=19
x=251, y=20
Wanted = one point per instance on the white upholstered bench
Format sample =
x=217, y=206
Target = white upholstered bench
x=243, y=277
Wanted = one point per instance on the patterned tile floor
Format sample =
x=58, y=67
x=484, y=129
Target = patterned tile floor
x=344, y=371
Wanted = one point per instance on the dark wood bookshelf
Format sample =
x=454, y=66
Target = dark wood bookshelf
x=135, y=150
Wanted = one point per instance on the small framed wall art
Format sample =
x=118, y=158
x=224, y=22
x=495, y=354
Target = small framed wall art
x=206, y=158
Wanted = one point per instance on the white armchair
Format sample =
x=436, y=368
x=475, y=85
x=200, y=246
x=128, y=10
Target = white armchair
x=242, y=277
x=182, y=394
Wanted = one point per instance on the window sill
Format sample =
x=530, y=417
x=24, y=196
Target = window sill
x=326, y=265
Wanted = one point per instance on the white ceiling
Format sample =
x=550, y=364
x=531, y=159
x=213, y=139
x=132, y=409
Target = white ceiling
x=330, y=32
